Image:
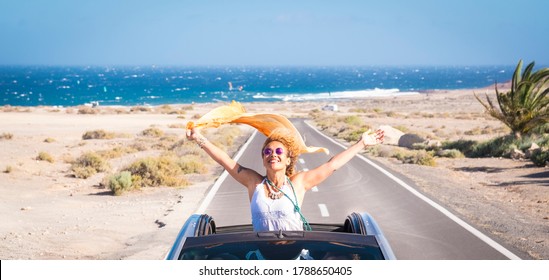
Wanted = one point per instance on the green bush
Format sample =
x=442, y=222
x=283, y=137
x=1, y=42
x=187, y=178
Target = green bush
x=120, y=182
x=451, y=153
x=88, y=164
x=540, y=158
x=467, y=147
x=497, y=147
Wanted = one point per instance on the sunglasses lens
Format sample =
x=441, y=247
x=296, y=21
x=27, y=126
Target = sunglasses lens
x=269, y=151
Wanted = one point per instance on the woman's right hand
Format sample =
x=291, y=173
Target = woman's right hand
x=192, y=134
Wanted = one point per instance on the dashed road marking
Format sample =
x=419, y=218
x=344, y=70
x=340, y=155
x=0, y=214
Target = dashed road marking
x=314, y=189
x=435, y=205
x=323, y=210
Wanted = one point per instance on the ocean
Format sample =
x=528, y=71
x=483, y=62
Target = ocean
x=154, y=85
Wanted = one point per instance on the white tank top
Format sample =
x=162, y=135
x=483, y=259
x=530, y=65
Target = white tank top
x=274, y=214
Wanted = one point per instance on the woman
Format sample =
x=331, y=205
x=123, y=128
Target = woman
x=276, y=198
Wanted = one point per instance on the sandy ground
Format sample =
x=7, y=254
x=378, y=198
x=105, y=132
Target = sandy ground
x=50, y=214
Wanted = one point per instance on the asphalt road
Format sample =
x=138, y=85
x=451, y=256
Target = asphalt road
x=416, y=227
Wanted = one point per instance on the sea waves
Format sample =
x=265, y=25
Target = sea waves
x=377, y=92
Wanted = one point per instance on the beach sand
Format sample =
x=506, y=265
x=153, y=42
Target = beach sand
x=50, y=214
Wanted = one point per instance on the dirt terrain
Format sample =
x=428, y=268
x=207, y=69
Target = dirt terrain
x=50, y=214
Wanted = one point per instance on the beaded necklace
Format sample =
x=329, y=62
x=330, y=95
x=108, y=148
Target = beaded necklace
x=296, y=207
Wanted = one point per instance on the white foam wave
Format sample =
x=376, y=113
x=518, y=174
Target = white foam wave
x=335, y=95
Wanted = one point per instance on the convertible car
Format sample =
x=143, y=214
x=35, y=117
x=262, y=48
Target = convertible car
x=358, y=238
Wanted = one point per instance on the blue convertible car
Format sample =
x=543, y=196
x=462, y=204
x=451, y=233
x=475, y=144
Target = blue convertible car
x=358, y=238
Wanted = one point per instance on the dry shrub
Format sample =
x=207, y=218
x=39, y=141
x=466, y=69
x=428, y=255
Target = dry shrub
x=392, y=114
x=138, y=109
x=402, y=128
x=358, y=110
x=223, y=137
x=153, y=132
x=381, y=151
x=115, y=110
x=193, y=164
x=420, y=157
x=19, y=109
x=43, y=156
x=177, y=125
x=140, y=145
x=186, y=147
x=117, y=152
x=157, y=171
x=167, y=109
x=6, y=135
x=352, y=120
x=98, y=134
x=166, y=142
x=352, y=135
x=89, y=164
x=83, y=110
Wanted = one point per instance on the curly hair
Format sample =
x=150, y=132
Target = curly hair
x=288, y=140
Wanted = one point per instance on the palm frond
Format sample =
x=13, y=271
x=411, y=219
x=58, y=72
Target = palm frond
x=526, y=105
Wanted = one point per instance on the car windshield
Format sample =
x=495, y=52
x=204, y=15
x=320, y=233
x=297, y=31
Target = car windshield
x=216, y=247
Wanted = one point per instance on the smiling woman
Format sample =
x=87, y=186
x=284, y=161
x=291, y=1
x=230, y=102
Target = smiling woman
x=277, y=196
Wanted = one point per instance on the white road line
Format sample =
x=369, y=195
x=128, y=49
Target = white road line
x=302, y=161
x=323, y=210
x=222, y=178
x=305, y=169
x=447, y=213
x=314, y=189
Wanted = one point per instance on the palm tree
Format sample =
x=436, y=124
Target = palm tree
x=526, y=105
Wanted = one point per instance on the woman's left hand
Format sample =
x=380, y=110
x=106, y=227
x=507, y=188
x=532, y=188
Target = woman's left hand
x=370, y=138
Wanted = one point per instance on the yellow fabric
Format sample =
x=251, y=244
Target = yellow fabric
x=265, y=123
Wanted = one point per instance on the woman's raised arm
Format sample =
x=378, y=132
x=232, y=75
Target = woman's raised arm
x=243, y=175
x=313, y=177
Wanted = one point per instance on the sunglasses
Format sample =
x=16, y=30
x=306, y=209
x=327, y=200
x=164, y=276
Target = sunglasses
x=269, y=151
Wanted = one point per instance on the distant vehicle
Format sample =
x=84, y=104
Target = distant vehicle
x=330, y=107
x=358, y=238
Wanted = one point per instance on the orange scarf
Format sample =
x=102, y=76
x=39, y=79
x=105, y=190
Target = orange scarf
x=265, y=123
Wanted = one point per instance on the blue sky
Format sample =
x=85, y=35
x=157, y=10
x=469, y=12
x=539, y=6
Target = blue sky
x=170, y=32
